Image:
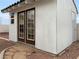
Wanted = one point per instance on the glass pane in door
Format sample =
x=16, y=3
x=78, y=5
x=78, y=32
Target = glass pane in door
x=21, y=25
x=31, y=25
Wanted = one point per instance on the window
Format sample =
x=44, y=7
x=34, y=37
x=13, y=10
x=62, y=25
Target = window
x=31, y=25
x=12, y=21
x=12, y=15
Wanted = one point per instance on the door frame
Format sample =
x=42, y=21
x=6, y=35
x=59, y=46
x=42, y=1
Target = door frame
x=19, y=39
x=25, y=24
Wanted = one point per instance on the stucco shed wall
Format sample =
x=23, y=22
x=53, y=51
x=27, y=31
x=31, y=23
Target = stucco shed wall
x=65, y=17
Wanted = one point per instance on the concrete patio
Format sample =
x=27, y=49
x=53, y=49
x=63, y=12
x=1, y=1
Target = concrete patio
x=71, y=52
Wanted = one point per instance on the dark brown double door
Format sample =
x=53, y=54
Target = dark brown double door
x=26, y=26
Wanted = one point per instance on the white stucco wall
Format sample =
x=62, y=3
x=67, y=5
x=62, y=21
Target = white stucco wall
x=74, y=25
x=64, y=24
x=13, y=30
x=4, y=28
x=46, y=26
